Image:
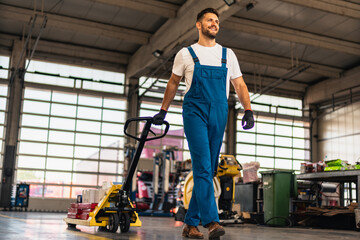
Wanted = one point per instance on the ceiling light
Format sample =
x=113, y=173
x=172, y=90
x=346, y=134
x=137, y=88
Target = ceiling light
x=157, y=53
x=249, y=6
x=229, y=2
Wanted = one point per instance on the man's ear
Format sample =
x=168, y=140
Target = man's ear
x=198, y=25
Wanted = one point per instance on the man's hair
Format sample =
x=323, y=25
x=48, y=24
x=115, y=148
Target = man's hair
x=203, y=12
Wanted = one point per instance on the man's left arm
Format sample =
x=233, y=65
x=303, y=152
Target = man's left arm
x=242, y=92
x=243, y=95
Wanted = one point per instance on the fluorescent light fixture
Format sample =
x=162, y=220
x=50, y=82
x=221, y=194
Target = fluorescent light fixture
x=157, y=53
x=229, y=2
x=249, y=6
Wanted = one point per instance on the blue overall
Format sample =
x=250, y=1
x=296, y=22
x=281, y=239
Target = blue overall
x=205, y=111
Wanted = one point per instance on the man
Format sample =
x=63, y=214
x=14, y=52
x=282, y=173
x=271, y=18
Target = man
x=208, y=68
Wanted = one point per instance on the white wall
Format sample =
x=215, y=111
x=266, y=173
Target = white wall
x=339, y=134
x=50, y=204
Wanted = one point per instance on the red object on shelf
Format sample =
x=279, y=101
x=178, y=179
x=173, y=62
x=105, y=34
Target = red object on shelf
x=74, y=205
x=87, y=205
x=80, y=210
x=73, y=215
x=84, y=216
x=142, y=205
x=75, y=210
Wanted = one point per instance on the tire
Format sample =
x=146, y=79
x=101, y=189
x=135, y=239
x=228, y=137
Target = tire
x=124, y=222
x=71, y=226
x=113, y=223
x=102, y=229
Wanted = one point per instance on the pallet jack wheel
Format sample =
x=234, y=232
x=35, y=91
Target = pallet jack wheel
x=113, y=223
x=124, y=222
x=102, y=229
x=72, y=227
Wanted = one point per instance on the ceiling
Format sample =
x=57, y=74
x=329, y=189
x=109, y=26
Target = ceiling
x=283, y=46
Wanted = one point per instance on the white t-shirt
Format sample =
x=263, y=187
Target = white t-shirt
x=211, y=56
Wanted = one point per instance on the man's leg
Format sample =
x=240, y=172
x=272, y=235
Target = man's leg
x=217, y=124
x=196, y=131
x=192, y=216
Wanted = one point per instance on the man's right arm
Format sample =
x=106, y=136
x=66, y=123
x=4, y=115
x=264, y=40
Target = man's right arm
x=171, y=89
x=170, y=92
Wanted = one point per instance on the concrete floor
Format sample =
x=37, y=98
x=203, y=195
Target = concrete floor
x=37, y=226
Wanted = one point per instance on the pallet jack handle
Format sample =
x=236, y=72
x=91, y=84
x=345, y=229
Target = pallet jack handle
x=146, y=130
x=142, y=139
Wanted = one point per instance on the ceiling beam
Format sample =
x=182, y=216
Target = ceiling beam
x=162, y=9
x=77, y=25
x=291, y=35
x=60, y=50
x=177, y=31
x=6, y=44
x=74, y=61
x=73, y=54
x=327, y=89
x=82, y=52
x=343, y=8
x=284, y=63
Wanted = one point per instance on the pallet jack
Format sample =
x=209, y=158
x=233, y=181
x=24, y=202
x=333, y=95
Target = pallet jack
x=115, y=209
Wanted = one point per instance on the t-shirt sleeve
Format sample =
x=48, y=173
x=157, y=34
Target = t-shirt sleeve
x=234, y=70
x=179, y=66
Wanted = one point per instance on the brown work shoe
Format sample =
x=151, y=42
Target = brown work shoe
x=215, y=230
x=192, y=232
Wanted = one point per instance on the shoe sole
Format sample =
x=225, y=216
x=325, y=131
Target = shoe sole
x=192, y=237
x=216, y=234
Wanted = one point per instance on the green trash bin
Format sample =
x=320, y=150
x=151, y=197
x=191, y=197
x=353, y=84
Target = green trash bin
x=279, y=186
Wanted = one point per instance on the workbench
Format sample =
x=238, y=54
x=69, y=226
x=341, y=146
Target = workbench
x=346, y=176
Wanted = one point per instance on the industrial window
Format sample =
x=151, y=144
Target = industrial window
x=3, y=112
x=70, y=139
x=75, y=77
x=4, y=66
x=280, y=138
x=175, y=136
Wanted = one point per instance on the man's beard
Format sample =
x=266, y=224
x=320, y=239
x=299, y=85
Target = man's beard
x=207, y=33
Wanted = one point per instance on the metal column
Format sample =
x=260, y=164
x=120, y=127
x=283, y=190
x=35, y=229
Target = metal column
x=358, y=189
x=133, y=108
x=15, y=91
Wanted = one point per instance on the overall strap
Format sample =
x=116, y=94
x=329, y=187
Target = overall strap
x=195, y=58
x=223, y=59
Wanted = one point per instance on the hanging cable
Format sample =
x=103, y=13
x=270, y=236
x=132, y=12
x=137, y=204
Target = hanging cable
x=294, y=72
x=43, y=25
x=175, y=49
x=15, y=71
x=55, y=5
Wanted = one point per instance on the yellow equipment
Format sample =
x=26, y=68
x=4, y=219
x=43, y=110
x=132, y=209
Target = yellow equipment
x=228, y=166
x=106, y=216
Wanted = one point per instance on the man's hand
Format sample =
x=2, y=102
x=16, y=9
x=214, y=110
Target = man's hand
x=247, y=121
x=158, y=118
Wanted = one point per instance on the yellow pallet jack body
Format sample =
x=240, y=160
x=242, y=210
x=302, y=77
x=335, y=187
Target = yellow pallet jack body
x=115, y=208
x=104, y=204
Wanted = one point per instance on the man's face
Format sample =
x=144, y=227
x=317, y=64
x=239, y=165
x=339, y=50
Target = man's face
x=209, y=25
